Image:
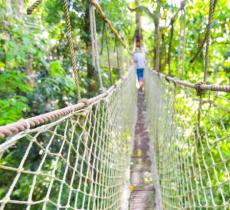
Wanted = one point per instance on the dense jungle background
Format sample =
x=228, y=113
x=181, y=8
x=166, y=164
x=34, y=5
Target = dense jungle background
x=35, y=66
x=35, y=75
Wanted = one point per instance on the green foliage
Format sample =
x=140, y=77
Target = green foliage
x=12, y=102
x=56, y=69
x=12, y=82
x=13, y=109
x=36, y=75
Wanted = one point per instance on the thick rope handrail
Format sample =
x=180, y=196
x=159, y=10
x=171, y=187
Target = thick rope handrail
x=197, y=86
x=22, y=125
x=104, y=17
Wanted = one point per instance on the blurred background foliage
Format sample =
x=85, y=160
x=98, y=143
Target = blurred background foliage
x=35, y=69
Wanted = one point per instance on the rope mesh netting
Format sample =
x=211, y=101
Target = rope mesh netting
x=79, y=161
x=191, y=144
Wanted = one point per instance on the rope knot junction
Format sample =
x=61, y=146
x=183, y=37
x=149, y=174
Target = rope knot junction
x=198, y=88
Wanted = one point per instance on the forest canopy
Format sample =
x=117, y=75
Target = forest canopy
x=35, y=67
x=69, y=58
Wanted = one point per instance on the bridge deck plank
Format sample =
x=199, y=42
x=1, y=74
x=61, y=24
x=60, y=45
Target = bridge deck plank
x=142, y=196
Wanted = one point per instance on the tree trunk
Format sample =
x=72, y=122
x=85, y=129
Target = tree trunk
x=29, y=71
x=91, y=71
x=170, y=48
x=9, y=6
x=157, y=37
x=139, y=35
x=163, y=53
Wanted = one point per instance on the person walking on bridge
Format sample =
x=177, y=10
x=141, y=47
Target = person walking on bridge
x=139, y=60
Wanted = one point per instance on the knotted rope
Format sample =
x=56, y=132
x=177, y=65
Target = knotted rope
x=71, y=48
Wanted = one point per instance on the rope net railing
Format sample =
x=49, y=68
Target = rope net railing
x=190, y=138
x=77, y=161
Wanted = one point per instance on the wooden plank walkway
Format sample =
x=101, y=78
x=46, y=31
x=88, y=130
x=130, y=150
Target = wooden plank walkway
x=142, y=195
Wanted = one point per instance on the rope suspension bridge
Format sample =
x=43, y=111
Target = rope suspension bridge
x=165, y=148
